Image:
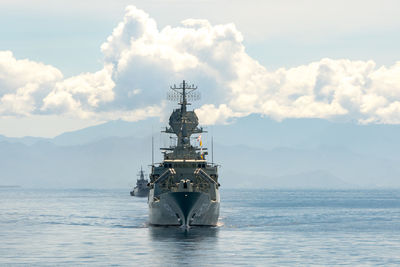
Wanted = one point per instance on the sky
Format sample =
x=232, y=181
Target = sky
x=65, y=65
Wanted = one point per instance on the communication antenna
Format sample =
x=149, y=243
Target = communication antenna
x=152, y=149
x=183, y=93
x=212, y=150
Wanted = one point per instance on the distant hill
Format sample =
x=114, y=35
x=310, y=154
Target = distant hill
x=27, y=140
x=256, y=131
x=116, y=128
x=108, y=163
x=253, y=152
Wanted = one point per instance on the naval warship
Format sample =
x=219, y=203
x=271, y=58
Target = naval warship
x=184, y=188
x=141, y=189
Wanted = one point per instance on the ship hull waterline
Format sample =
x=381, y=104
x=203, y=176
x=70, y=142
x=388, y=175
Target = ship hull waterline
x=184, y=209
x=139, y=193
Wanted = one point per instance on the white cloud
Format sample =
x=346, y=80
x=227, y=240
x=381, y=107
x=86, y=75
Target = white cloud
x=141, y=61
x=81, y=94
x=210, y=114
x=23, y=84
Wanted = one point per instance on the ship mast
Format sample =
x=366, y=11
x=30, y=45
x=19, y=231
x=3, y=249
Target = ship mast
x=183, y=123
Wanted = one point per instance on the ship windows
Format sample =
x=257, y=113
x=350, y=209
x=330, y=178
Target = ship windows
x=184, y=165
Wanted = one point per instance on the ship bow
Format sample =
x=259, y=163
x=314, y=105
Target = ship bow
x=185, y=203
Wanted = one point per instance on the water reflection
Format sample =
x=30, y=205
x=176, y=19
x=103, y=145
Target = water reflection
x=173, y=233
x=175, y=246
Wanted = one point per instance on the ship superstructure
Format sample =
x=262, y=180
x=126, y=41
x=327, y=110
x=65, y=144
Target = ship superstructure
x=141, y=189
x=184, y=188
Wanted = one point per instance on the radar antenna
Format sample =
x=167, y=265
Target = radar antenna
x=184, y=93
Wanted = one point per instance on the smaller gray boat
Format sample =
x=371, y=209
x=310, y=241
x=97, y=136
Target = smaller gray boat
x=141, y=189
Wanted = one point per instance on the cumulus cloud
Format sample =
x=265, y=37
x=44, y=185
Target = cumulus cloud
x=141, y=61
x=81, y=95
x=23, y=84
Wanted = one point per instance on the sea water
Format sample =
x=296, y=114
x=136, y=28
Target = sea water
x=256, y=228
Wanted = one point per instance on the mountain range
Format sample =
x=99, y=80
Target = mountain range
x=253, y=151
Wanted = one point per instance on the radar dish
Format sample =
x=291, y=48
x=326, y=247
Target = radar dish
x=183, y=93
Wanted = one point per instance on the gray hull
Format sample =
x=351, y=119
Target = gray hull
x=184, y=208
x=140, y=192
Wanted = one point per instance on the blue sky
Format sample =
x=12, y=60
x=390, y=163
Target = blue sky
x=294, y=35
